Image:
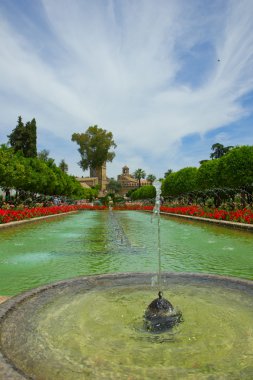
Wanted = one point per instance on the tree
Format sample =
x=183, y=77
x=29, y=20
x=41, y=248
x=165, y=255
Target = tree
x=219, y=150
x=23, y=138
x=30, y=139
x=144, y=192
x=12, y=169
x=43, y=155
x=114, y=186
x=208, y=175
x=180, y=182
x=139, y=174
x=235, y=168
x=63, y=166
x=151, y=178
x=16, y=138
x=169, y=171
x=94, y=147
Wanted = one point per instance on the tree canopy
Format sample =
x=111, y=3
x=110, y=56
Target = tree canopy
x=144, y=192
x=94, y=147
x=231, y=171
x=114, y=186
x=23, y=138
x=63, y=166
x=219, y=150
x=151, y=178
x=35, y=175
x=139, y=174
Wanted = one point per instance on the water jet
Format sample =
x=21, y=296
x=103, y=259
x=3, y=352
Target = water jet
x=160, y=314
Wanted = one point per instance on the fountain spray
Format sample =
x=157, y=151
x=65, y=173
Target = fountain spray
x=160, y=315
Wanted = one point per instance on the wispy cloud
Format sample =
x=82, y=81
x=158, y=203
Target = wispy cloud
x=150, y=72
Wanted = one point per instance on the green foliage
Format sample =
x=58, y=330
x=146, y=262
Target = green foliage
x=219, y=150
x=23, y=138
x=236, y=168
x=208, y=175
x=139, y=174
x=169, y=171
x=94, y=147
x=151, y=178
x=144, y=192
x=12, y=168
x=63, y=166
x=35, y=175
x=114, y=186
x=90, y=193
x=182, y=181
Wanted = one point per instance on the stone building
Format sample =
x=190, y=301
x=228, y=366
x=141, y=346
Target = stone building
x=128, y=181
x=97, y=177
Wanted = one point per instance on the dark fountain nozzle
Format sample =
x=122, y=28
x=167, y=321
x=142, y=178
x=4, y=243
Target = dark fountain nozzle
x=160, y=315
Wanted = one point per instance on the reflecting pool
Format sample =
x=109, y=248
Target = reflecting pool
x=124, y=241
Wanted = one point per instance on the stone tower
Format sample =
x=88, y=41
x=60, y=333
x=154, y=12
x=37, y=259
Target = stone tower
x=100, y=173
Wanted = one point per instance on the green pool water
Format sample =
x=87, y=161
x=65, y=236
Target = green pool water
x=104, y=242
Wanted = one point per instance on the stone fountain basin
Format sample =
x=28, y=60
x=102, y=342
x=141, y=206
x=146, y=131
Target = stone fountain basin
x=16, y=314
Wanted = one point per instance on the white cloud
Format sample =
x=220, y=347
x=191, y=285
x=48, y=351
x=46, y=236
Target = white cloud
x=120, y=64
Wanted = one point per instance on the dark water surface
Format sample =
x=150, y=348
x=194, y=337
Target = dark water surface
x=123, y=241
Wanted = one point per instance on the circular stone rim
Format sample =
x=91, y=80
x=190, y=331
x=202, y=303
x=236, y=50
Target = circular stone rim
x=8, y=370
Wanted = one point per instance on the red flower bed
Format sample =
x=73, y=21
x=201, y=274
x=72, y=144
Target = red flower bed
x=7, y=216
x=243, y=216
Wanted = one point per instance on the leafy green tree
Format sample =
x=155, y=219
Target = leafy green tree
x=144, y=192
x=94, y=147
x=208, y=175
x=169, y=171
x=182, y=181
x=63, y=166
x=219, y=150
x=151, y=178
x=236, y=168
x=43, y=155
x=23, y=138
x=139, y=174
x=203, y=161
x=12, y=169
x=114, y=186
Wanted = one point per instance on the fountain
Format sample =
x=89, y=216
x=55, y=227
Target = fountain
x=160, y=314
x=91, y=327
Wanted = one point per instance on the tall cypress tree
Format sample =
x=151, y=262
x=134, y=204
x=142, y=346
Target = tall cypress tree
x=17, y=136
x=30, y=141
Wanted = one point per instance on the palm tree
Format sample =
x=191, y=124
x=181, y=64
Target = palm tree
x=151, y=178
x=139, y=174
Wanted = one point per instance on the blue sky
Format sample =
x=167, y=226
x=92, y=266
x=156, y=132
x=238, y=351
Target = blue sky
x=168, y=78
